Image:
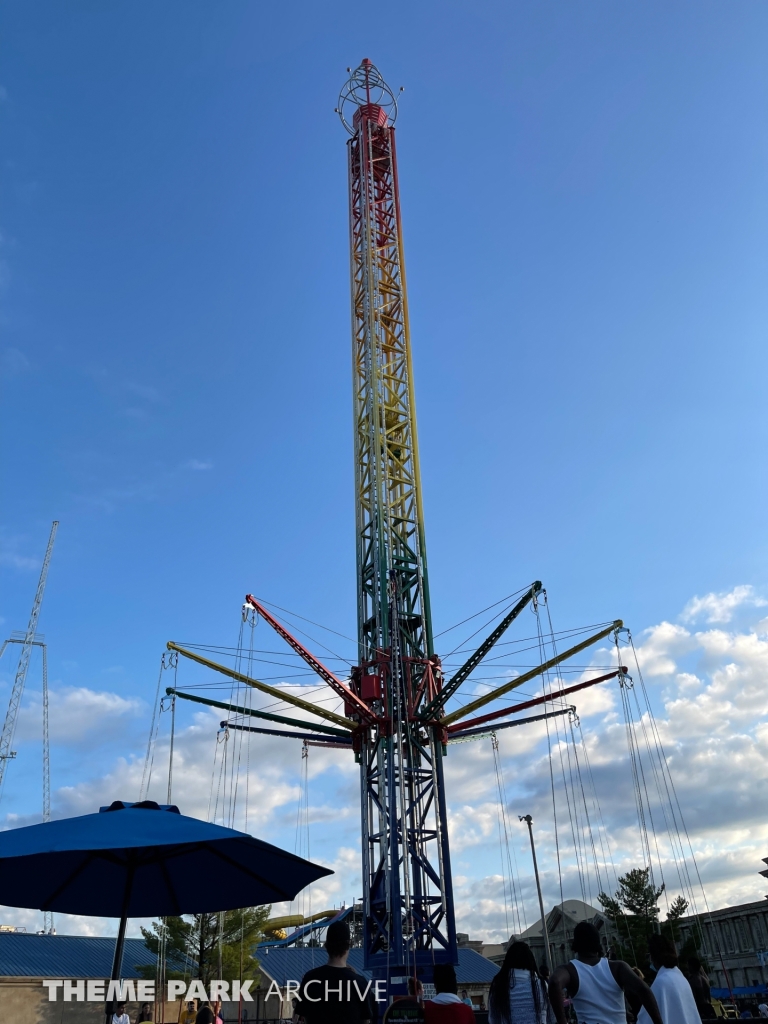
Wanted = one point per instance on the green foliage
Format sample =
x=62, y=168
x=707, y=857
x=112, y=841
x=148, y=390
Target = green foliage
x=637, y=894
x=222, y=945
x=177, y=931
x=693, y=946
x=671, y=926
x=634, y=911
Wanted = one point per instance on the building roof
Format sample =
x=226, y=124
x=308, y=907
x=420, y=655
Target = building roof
x=758, y=907
x=284, y=964
x=26, y=955
x=574, y=911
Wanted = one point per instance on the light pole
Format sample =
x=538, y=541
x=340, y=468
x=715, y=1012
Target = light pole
x=529, y=822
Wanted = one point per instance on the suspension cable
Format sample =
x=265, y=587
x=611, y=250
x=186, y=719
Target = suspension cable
x=146, y=774
x=510, y=848
x=536, y=601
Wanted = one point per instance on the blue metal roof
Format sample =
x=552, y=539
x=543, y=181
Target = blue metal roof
x=475, y=968
x=283, y=964
x=291, y=963
x=24, y=955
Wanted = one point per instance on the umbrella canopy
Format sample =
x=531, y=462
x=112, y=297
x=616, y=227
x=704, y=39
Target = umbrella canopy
x=144, y=860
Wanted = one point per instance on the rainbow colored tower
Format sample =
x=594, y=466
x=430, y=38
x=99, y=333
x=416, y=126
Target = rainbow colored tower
x=407, y=891
x=394, y=704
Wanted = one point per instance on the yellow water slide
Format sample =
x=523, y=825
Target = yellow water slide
x=275, y=926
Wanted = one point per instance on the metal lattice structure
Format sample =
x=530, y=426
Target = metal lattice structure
x=28, y=640
x=406, y=861
x=9, y=726
x=48, y=927
x=394, y=715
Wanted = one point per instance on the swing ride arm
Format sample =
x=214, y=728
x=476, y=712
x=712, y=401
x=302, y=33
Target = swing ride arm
x=343, y=691
x=282, y=719
x=474, y=660
x=282, y=695
x=486, y=730
x=310, y=738
x=512, y=684
x=533, y=702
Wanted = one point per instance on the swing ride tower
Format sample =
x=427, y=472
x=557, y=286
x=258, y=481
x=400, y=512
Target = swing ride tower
x=395, y=711
x=408, y=910
x=391, y=712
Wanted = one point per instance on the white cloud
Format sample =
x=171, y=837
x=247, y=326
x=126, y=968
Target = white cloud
x=68, y=924
x=660, y=646
x=342, y=887
x=16, y=561
x=75, y=712
x=707, y=691
x=721, y=607
x=199, y=465
x=12, y=552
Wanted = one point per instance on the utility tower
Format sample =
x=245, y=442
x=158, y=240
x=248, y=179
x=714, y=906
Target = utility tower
x=29, y=640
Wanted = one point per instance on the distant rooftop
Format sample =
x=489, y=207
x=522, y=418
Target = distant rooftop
x=286, y=963
x=26, y=955
x=573, y=910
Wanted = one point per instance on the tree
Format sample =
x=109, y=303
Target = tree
x=693, y=941
x=693, y=946
x=220, y=945
x=177, y=943
x=634, y=911
x=638, y=895
x=671, y=926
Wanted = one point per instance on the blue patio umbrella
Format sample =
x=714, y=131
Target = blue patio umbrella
x=144, y=860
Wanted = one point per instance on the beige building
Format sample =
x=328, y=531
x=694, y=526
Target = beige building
x=734, y=940
x=561, y=920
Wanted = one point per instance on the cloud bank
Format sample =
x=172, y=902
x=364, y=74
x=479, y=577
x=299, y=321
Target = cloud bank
x=705, y=676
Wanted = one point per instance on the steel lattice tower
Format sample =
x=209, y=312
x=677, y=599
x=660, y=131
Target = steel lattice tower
x=9, y=725
x=406, y=865
x=394, y=703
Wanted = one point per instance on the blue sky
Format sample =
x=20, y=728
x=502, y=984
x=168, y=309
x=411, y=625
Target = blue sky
x=585, y=214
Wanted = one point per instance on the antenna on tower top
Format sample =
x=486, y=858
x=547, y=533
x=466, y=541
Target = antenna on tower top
x=365, y=88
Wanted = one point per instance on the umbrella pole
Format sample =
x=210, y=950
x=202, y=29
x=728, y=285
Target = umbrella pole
x=117, y=963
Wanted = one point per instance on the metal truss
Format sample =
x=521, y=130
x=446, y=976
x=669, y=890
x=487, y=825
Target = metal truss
x=29, y=639
x=406, y=864
x=9, y=725
x=394, y=705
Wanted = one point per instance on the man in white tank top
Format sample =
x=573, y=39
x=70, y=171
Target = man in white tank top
x=597, y=986
x=670, y=987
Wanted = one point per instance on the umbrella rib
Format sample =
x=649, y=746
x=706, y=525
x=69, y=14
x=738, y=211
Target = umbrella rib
x=70, y=878
x=169, y=883
x=248, y=871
